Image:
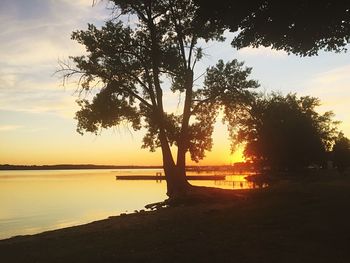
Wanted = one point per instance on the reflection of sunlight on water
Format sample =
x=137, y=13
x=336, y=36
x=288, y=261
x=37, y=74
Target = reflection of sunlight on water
x=232, y=182
x=36, y=201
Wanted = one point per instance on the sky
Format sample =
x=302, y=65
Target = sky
x=37, y=123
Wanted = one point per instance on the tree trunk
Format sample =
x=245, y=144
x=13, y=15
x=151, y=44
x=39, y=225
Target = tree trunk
x=183, y=138
x=177, y=185
x=181, y=169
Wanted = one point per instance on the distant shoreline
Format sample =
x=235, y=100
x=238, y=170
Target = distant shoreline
x=73, y=167
x=7, y=167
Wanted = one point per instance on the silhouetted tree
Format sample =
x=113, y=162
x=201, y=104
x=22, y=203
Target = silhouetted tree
x=286, y=132
x=149, y=47
x=341, y=152
x=302, y=27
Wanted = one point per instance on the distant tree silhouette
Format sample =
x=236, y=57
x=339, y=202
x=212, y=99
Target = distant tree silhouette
x=286, y=133
x=302, y=27
x=148, y=48
x=341, y=153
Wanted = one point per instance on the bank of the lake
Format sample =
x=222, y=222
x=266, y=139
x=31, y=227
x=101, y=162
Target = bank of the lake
x=292, y=221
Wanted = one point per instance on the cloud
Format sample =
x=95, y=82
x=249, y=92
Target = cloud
x=34, y=35
x=333, y=83
x=38, y=32
x=262, y=52
x=39, y=40
x=9, y=127
x=333, y=77
x=333, y=89
x=58, y=102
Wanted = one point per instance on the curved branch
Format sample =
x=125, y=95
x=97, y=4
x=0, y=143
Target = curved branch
x=142, y=100
x=190, y=53
x=179, y=34
x=201, y=102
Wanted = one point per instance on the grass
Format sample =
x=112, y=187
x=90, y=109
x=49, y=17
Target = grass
x=294, y=220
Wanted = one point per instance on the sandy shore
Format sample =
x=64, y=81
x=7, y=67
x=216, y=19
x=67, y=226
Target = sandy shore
x=303, y=221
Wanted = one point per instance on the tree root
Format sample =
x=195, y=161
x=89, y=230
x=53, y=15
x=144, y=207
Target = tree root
x=200, y=194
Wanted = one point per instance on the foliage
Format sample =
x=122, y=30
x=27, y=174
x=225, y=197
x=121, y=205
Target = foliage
x=286, y=132
x=147, y=49
x=302, y=27
x=341, y=152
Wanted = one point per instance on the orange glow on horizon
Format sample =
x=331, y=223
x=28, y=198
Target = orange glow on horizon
x=111, y=148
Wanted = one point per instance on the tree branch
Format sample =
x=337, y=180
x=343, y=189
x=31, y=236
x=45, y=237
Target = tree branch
x=201, y=102
x=140, y=14
x=190, y=53
x=142, y=100
x=148, y=89
x=150, y=84
x=179, y=34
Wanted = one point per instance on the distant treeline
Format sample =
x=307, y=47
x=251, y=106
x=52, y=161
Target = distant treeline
x=237, y=166
x=72, y=167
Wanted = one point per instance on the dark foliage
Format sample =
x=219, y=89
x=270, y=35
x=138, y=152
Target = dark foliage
x=341, y=153
x=286, y=133
x=302, y=27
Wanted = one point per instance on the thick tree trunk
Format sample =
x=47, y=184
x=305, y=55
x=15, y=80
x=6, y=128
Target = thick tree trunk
x=181, y=172
x=177, y=185
x=181, y=179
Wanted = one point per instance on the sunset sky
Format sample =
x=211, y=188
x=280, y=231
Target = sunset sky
x=37, y=123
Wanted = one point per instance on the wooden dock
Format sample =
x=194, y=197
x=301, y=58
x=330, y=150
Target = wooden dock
x=162, y=177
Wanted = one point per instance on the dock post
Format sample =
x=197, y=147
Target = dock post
x=159, y=174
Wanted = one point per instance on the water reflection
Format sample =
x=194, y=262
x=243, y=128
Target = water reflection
x=231, y=182
x=35, y=201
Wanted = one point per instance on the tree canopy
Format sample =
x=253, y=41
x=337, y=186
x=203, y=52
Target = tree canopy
x=302, y=27
x=147, y=49
x=341, y=152
x=286, y=132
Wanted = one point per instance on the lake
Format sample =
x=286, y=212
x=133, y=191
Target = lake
x=36, y=201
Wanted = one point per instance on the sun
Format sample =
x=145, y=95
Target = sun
x=236, y=157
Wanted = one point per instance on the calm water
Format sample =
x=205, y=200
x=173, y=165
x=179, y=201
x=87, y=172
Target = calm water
x=36, y=201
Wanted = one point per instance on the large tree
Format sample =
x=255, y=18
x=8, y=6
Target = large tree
x=286, y=132
x=147, y=48
x=302, y=27
x=341, y=152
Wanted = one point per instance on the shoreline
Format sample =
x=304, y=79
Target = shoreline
x=190, y=168
x=292, y=221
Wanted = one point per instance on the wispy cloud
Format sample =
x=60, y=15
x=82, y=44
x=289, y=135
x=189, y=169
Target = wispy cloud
x=9, y=127
x=262, y=52
x=333, y=88
x=334, y=76
x=34, y=35
x=335, y=82
x=57, y=102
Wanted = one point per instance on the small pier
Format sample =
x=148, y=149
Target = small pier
x=162, y=177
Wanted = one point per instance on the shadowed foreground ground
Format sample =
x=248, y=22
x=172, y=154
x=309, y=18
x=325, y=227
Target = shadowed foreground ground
x=304, y=221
